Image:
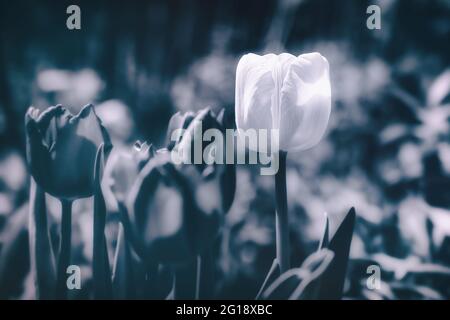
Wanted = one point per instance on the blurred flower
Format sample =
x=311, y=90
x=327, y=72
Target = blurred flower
x=61, y=150
x=389, y=171
x=209, y=81
x=410, y=159
x=412, y=214
x=13, y=171
x=439, y=89
x=121, y=171
x=117, y=119
x=393, y=132
x=440, y=220
x=434, y=123
x=69, y=88
x=412, y=270
x=6, y=204
x=253, y=232
x=53, y=80
x=284, y=92
x=444, y=155
x=86, y=84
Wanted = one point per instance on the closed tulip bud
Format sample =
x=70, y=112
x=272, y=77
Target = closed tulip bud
x=61, y=150
x=286, y=93
x=169, y=225
x=204, y=120
x=122, y=169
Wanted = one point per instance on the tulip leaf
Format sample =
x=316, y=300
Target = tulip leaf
x=100, y=261
x=324, y=242
x=301, y=283
x=129, y=234
x=274, y=272
x=178, y=121
x=284, y=285
x=123, y=273
x=41, y=255
x=332, y=281
x=316, y=265
x=158, y=280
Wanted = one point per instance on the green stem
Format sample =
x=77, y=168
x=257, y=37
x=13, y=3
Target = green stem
x=205, y=275
x=41, y=255
x=64, y=249
x=185, y=281
x=198, y=277
x=282, y=219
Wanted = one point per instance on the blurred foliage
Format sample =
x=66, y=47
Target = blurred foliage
x=387, y=151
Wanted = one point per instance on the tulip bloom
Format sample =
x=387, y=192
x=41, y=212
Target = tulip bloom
x=169, y=224
x=61, y=150
x=64, y=154
x=204, y=119
x=290, y=96
x=175, y=210
x=286, y=93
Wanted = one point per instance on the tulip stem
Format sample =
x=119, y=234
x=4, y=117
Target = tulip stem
x=198, y=277
x=282, y=219
x=205, y=275
x=41, y=255
x=186, y=281
x=64, y=249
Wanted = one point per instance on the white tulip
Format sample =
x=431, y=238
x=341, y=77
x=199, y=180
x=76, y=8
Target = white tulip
x=286, y=93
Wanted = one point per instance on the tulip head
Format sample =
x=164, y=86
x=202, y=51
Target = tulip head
x=165, y=214
x=204, y=120
x=61, y=150
x=286, y=93
x=176, y=209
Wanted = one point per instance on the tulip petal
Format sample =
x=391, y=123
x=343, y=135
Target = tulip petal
x=254, y=90
x=65, y=146
x=306, y=103
x=37, y=154
x=311, y=120
x=156, y=212
x=311, y=66
x=48, y=114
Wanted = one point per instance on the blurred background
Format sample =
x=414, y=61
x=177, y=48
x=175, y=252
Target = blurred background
x=387, y=151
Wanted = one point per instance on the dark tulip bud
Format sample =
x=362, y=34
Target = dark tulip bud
x=186, y=143
x=61, y=150
x=165, y=216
